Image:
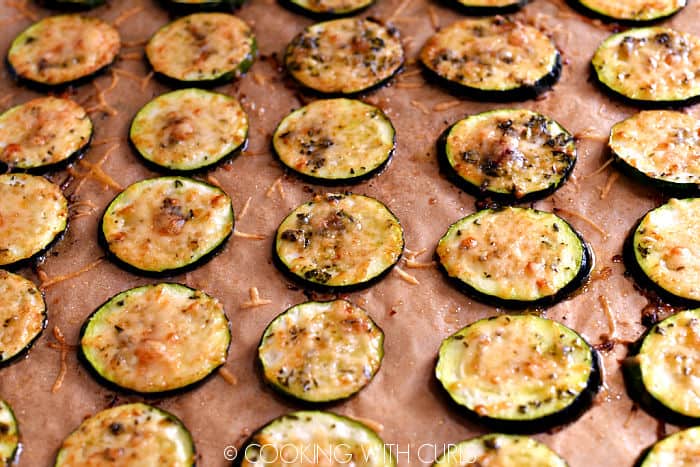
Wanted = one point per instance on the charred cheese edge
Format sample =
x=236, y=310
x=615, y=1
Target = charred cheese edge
x=344, y=56
x=654, y=64
x=321, y=351
x=130, y=434
x=634, y=10
x=666, y=250
x=9, y=435
x=514, y=154
x=661, y=146
x=156, y=338
x=335, y=438
x=335, y=140
x=61, y=49
x=189, y=129
x=679, y=450
x=204, y=48
x=515, y=367
x=339, y=241
x=167, y=223
x=500, y=450
x=493, y=55
x=34, y=213
x=22, y=315
x=514, y=256
x=43, y=132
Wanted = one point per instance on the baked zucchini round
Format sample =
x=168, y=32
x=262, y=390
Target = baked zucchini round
x=129, y=434
x=193, y=6
x=655, y=65
x=33, y=214
x=190, y=129
x=678, y=450
x=335, y=141
x=508, y=155
x=330, y=438
x=660, y=374
x=344, y=56
x=9, y=435
x=166, y=225
x=156, y=338
x=489, y=7
x=339, y=242
x=64, y=49
x=662, y=253
x=519, y=373
x=321, y=351
x=659, y=147
x=43, y=133
x=22, y=314
x=633, y=11
x=203, y=49
x=515, y=257
x=524, y=63
x=499, y=449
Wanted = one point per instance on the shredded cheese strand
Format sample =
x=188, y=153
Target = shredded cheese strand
x=249, y=236
x=406, y=276
x=255, y=299
x=420, y=106
x=63, y=347
x=446, y=105
x=46, y=282
x=227, y=376
x=609, y=184
x=126, y=15
x=605, y=305
x=590, y=222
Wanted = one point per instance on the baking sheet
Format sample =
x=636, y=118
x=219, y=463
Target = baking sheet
x=403, y=398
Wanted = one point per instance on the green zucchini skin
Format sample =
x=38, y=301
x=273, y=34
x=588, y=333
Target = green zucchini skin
x=467, y=7
x=9, y=436
x=584, y=8
x=647, y=458
x=521, y=451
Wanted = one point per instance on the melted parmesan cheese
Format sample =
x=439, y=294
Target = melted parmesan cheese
x=131, y=435
x=22, y=314
x=635, y=10
x=513, y=253
x=650, y=64
x=316, y=438
x=64, y=48
x=339, y=240
x=491, y=54
x=157, y=338
x=500, y=451
x=666, y=247
x=335, y=139
x=201, y=47
x=189, y=129
x=681, y=449
x=9, y=434
x=662, y=144
x=344, y=56
x=510, y=151
x=515, y=367
x=33, y=212
x=337, y=7
x=43, y=131
x=167, y=223
x=321, y=351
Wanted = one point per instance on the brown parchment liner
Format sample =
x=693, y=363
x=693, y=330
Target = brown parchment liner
x=403, y=398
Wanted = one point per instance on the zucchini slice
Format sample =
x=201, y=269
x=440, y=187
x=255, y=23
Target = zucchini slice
x=335, y=141
x=321, y=351
x=664, y=253
x=22, y=316
x=633, y=11
x=156, y=338
x=489, y=7
x=167, y=224
x=322, y=438
x=524, y=63
x=63, y=49
x=192, y=6
x=71, y=4
x=42, y=133
x=129, y=434
x=34, y=213
x=189, y=129
x=650, y=65
x=678, y=450
x=515, y=257
x=328, y=8
x=508, y=154
x=344, y=56
x=9, y=435
x=339, y=242
x=661, y=373
x=500, y=450
x=659, y=147
x=202, y=49
x=519, y=373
